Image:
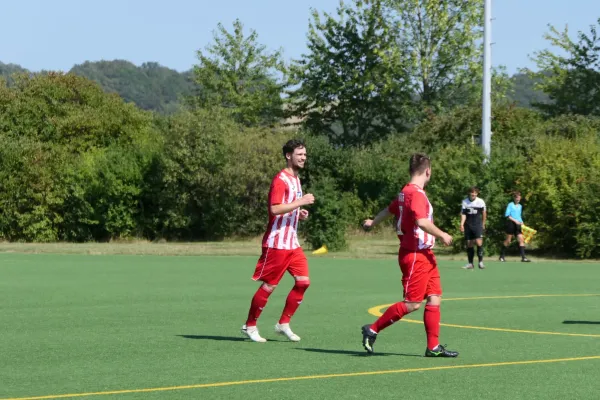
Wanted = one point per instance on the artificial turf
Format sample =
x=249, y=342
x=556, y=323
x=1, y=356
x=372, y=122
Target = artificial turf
x=76, y=324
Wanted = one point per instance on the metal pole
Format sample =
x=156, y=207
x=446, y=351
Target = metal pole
x=486, y=131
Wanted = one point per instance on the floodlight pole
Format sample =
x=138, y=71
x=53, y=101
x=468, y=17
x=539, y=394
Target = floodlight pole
x=486, y=131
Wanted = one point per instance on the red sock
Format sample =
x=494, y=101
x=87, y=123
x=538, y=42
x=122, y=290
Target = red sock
x=391, y=315
x=431, y=318
x=259, y=301
x=293, y=301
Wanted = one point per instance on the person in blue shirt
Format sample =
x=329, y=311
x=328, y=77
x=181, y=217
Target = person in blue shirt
x=514, y=220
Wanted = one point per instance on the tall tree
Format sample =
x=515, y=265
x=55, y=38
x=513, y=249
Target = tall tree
x=442, y=40
x=572, y=80
x=350, y=86
x=238, y=74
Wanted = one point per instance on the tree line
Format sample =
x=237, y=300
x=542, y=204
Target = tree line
x=379, y=80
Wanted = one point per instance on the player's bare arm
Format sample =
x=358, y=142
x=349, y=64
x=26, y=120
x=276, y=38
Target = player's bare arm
x=429, y=227
x=484, y=217
x=383, y=215
x=463, y=218
x=278, y=209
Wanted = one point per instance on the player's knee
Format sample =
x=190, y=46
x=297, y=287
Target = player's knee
x=302, y=283
x=410, y=306
x=268, y=288
x=434, y=300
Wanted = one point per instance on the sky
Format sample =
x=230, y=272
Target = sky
x=57, y=34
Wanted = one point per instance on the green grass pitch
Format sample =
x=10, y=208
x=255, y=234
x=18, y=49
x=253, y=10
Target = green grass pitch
x=152, y=327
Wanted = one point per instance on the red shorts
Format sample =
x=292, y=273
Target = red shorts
x=273, y=263
x=420, y=275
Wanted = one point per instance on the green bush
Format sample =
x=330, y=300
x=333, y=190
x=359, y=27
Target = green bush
x=454, y=170
x=452, y=141
x=78, y=164
x=72, y=161
x=502, y=175
x=32, y=190
x=214, y=176
x=111, y=180
x=571, y=126
x=68, y=110
x=330, y=216
x=561, y=187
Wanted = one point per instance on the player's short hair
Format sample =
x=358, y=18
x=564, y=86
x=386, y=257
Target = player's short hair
x=292, y=145
x=418, y=163
x=474, y=189
x=516, y=193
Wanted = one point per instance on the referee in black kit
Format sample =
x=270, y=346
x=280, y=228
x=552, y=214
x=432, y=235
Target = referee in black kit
x=472, y=223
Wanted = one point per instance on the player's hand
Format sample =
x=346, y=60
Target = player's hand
x=446, y=239
x=367, y=224
x=308, y=199
x=462, y=228
x=303, y=214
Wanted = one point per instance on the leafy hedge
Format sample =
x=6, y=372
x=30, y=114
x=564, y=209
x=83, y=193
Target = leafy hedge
x=78, y=164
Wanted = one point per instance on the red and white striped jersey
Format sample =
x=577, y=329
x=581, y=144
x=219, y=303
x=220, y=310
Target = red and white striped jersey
x=411, y=205
x=282, y=229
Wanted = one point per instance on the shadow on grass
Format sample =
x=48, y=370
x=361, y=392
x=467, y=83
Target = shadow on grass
x=582, y=322
x=356, y=353
x=221, y=338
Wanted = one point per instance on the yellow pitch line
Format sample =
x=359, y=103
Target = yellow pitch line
x=526, y=296
x=376, y=311
x=302, y=378
x=483, y=328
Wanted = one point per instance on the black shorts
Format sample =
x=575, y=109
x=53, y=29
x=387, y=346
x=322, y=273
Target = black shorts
x=512, y=228
x=473, y=232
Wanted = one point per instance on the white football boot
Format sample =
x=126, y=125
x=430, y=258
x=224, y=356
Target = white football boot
x=284, y=329
x=252, y=333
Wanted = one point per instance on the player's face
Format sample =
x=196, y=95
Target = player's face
x=517, y=199
x=427, y=175
x=472, y=196
x=297, y=158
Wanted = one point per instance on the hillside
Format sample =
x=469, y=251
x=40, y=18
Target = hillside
x=150, y=86
x=154, y=87
x=524, y=93
x=7, y=70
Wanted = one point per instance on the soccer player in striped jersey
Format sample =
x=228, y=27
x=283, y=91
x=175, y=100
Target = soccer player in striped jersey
x=472, y=224
x=420, y=275
x=281, y=251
